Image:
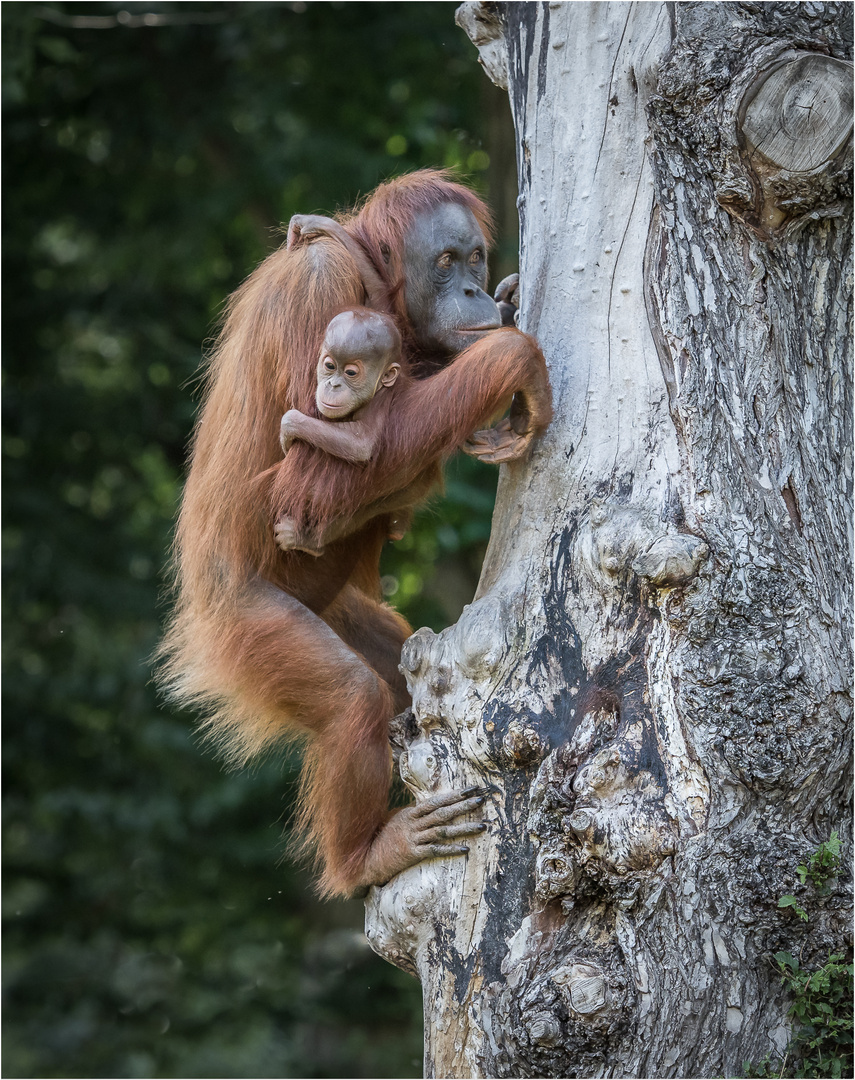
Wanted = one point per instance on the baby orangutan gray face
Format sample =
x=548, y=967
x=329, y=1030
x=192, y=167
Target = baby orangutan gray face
x=361, y=352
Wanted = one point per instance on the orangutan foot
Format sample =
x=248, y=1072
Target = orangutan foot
x=423, y=831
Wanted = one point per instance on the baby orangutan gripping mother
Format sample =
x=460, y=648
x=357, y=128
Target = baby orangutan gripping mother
x=360, y=356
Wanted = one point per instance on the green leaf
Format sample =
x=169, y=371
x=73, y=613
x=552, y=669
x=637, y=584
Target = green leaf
x=792, y=901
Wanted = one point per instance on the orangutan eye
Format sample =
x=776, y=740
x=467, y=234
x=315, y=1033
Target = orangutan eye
x=476, y=257
x=351, y=372
x=329, y=365
x=445, y=260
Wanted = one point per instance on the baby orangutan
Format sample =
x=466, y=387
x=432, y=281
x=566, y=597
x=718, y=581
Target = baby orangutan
x=360, y=356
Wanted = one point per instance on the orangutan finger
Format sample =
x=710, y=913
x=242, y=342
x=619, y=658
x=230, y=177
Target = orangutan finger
x=448, y=813
x=438, y=850
x=461, y=797
x=449, y=832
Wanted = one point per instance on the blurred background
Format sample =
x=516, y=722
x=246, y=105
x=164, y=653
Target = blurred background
x=153, y=925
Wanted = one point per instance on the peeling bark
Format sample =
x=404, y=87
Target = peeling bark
x=654, y=677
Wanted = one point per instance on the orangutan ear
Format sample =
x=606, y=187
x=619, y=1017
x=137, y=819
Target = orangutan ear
x=390, y=375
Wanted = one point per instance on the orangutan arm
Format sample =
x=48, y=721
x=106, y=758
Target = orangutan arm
x=439, y=414
x=304, y=228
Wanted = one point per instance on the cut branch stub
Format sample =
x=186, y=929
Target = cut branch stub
x=483, y=25
x=800, y=114
x=795, y=121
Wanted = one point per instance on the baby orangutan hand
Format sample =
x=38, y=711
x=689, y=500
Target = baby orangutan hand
x=290, y=427
x=422, y=831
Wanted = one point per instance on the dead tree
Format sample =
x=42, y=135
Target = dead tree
x=654, y=676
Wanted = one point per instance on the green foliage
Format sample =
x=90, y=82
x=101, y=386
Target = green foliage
x=822, y=1016
x=822, y=865
x=148, y=928
x=821, y=868
x=821, y=1011
x=434, y=569
x=768, y=1067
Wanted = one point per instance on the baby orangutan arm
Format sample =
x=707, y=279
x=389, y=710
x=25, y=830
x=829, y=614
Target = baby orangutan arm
x=350, y=440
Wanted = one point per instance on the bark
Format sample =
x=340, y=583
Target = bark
x=654, y=676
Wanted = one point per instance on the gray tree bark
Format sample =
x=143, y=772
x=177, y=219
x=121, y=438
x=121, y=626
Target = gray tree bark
x=654, y=677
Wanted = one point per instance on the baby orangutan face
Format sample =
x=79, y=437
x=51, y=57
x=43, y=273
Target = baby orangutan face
x=360, y=354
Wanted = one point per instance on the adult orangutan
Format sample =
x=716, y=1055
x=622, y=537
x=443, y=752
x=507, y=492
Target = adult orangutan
x=273, y=643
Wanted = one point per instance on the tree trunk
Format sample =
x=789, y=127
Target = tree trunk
x=654, y=675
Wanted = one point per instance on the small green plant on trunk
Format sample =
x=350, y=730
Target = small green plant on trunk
x=821, y=1010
